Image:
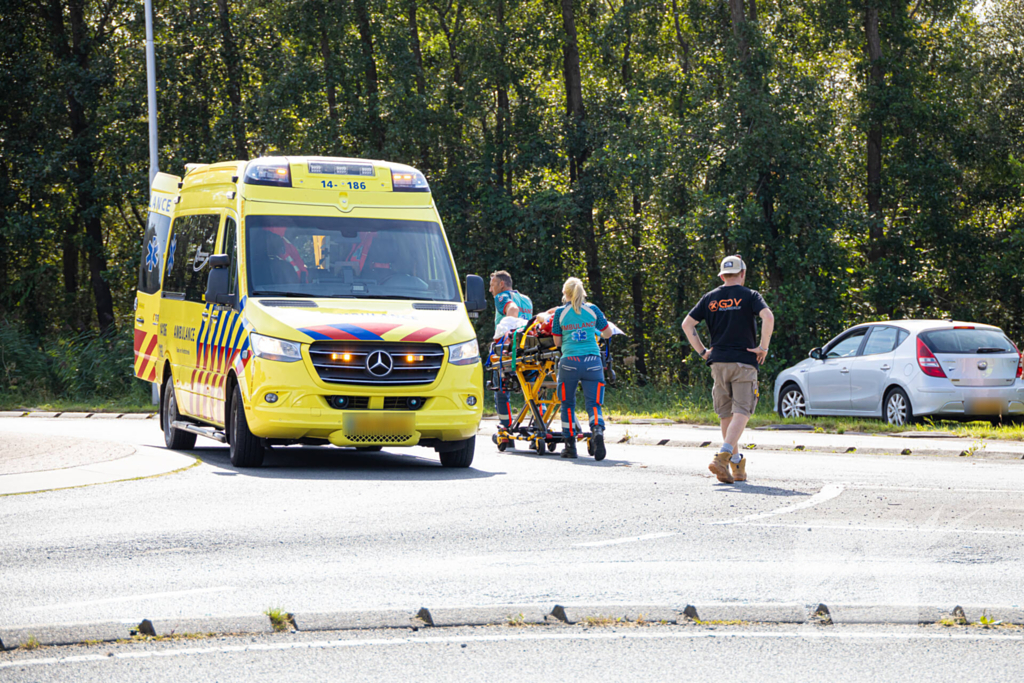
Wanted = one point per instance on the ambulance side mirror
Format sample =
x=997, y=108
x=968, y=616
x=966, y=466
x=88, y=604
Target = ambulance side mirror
x=219, y=280
x=476, y=300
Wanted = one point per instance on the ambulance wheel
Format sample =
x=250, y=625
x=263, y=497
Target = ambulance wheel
x=462, y=456
x=246, y=448
x=175, y=439
x=369, y=449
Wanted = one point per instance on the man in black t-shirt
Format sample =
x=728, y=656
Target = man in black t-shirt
x=731, y=313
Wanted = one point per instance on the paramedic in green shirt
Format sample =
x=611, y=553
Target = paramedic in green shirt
x=507, y=302
x=575, y=327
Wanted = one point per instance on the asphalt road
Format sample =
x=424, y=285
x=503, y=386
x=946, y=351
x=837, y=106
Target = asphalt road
x=501, y=654
x=326, y=529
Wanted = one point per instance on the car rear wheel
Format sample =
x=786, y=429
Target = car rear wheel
x=792, y=402
x=896, y=410
x=175, y=439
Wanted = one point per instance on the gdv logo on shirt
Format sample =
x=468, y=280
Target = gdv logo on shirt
x=725, y=305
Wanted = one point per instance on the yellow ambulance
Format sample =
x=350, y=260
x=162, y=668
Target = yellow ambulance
x=306, y=300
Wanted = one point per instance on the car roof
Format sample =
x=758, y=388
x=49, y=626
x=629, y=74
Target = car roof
x=922, y=325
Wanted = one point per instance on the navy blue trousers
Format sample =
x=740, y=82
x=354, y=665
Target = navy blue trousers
x=573, y=371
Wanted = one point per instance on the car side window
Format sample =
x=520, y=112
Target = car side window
x=881, y=340
x=902, y=338
x=847, y=346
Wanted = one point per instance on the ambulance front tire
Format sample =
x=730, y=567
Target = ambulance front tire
x=460, y=456
x=246, y=449
x=369, y=449
x=175, y=439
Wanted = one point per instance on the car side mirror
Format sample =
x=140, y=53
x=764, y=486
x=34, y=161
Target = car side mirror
x=476, y=300
x=219, y=281
x=817, y=354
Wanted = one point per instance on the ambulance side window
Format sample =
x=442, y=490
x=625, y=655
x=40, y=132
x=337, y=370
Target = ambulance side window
x=193, y=239
x=198, y=265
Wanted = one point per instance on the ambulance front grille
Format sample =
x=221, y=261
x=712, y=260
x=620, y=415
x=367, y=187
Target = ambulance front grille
x=349, y=362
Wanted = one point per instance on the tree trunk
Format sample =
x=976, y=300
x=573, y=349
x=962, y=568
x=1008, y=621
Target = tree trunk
x=370, y=71
x=328, y=59
x=684, y=45
x=501, y=114
x=637, y=285
x=874, y=136
x=233, y=65
x=579, y=150
x=417, y=54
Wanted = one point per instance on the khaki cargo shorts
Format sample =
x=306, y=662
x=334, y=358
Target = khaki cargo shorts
x=735, y=388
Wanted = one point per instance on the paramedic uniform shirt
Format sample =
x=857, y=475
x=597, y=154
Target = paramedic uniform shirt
x=731, y=313
x=503, y=299
x=579, y=330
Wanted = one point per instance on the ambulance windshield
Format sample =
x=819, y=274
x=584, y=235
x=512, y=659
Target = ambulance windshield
x=349, y=258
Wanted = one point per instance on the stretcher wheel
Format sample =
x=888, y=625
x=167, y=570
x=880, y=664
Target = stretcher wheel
x=502, y=445
x=494, y=438
x=537, y=444
x=590, y=447
x=552, y=445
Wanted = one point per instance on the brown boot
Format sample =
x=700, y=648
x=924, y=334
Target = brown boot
x=720, y=467
x=739, y=469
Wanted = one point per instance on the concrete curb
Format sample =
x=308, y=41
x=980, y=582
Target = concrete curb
x=518, y=615
x=78, y=416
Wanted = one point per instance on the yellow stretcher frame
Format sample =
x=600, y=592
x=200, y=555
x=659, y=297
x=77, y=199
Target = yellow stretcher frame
x=534, y=371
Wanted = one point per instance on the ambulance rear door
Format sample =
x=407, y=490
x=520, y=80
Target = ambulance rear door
x=151, y=266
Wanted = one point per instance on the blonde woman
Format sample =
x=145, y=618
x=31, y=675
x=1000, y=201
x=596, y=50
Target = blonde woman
x=576, y=326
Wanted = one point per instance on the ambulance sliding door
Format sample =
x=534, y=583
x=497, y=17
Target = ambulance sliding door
x=183, y=312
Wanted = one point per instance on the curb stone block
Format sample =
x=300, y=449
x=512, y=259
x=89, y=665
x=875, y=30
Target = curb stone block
x=13, y=413
x=67, y=634
x=35, y=414
x=574, y=614
x=779, y=613
x=484, y=616
x=886, y=614
x=345, y=621
x=1003, y=613
x=75, y=416
x=105, y=416
x=135, y=416
x=243, y=624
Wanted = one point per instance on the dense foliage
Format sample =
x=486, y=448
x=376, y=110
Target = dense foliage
x=866, y=157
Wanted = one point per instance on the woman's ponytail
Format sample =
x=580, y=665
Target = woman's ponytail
x=573, y=293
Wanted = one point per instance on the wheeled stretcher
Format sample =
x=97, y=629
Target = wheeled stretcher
x=527, y=363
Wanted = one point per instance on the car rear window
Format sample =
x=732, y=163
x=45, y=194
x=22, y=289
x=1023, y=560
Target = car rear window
x=967, y=341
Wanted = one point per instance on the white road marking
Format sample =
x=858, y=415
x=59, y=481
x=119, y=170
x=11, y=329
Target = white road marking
x=124, y=598
x=827, y=492
x=899, y=529
x=631, y=539
x=530, y=637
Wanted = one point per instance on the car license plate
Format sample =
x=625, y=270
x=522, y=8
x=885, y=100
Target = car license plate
x=372, y=424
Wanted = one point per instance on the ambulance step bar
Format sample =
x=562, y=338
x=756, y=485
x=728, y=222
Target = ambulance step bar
x=208, y=432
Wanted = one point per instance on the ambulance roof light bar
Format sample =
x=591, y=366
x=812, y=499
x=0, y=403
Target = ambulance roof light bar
x=407, y=179
x=272, y=171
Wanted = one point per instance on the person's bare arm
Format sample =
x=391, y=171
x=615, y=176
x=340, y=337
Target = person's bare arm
x=690, y=330
x=606, y=333
x=558, y=340
x=767, y=327
x=511, y=310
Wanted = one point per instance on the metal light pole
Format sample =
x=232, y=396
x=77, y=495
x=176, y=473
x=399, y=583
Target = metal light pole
x=154, y=161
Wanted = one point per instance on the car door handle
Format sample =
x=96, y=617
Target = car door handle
x=844, y=370
x=885, y=367
x=215, y=316
x=140, y=321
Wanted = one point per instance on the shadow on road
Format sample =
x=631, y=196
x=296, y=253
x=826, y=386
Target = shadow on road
x=744, y=487
x=340, y=463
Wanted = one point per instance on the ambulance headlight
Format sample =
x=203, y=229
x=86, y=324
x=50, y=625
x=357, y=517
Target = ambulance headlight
x=270, y=348
x=465, y=353
x=269, y=171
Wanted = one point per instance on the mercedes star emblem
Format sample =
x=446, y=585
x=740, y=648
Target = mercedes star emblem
x=379, y=363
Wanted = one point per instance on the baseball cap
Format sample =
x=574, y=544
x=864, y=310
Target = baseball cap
x=732, y=265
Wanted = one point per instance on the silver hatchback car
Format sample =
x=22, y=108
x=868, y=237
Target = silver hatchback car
x=901, y=369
